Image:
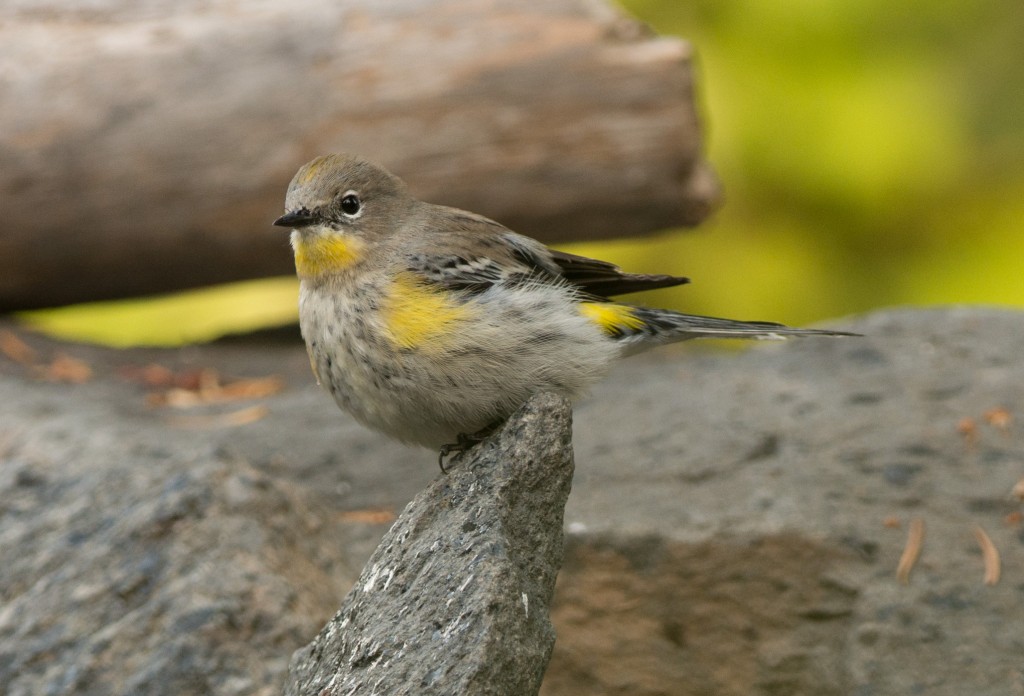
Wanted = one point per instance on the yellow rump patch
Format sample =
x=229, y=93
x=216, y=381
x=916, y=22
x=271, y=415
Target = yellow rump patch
x=612, y=318
x=315, y=256
x=419, y=316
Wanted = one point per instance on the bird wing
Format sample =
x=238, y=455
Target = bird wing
x=594, y=278
x=463, y=272
x=603, y=279
x=481, y=252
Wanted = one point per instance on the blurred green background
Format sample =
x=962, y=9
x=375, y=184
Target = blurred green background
x=871, y=155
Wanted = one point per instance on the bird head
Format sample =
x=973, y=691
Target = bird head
x=336, y=205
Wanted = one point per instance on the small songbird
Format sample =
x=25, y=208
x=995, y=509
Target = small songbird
x=432, y=324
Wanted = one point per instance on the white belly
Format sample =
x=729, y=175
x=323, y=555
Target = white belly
x=512, y=343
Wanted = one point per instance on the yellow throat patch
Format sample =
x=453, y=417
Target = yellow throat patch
x=612, y=318
x=417, y=315
x=315, y=256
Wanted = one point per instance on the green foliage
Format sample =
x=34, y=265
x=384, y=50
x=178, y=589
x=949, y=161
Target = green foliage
x=872, y=149
x=187, y=317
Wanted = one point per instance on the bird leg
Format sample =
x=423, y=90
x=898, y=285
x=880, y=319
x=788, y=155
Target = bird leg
x=464, y=442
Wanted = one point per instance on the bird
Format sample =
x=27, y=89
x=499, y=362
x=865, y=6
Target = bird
x=432, y=324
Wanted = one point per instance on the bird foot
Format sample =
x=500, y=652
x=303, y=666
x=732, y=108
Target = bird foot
x=463, y=443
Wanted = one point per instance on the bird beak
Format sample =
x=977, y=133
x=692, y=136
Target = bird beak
x=296, y=218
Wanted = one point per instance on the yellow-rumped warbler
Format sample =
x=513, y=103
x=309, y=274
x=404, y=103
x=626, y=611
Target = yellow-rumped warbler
x=430, y=324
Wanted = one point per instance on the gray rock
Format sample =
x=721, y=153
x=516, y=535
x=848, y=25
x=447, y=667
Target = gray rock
x=736, y=520
x=455, y=599
x=734, y=526
x=141, y=557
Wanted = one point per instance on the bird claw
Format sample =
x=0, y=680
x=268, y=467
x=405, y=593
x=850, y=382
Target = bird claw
x=463, y=443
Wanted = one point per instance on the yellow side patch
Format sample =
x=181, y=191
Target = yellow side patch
x=315, y=256
x=419, y=316
x=612, y=318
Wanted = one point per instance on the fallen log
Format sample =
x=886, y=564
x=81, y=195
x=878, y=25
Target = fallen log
x=146, y=148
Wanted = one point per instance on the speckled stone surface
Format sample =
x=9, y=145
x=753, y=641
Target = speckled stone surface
x=455, y=599
x=734, y=526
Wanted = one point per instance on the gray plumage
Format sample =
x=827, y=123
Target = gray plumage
x=427, y=322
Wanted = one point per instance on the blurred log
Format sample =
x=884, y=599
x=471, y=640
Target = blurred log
x=146, y=147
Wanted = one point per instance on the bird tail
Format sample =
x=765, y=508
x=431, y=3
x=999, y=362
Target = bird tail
x=639, y=328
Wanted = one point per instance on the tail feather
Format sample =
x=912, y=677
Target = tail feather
x=666, y=326
x=696, y=326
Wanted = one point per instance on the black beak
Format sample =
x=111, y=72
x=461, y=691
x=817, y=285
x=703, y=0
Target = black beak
x=296, y=218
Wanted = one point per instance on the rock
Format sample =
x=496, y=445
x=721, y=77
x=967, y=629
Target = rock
x=455, y=599
x=736, y=520
x=734, y=527
x=141, y=557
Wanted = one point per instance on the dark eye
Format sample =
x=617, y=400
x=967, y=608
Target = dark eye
x=350, y=204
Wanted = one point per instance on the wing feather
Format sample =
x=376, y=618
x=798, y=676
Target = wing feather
x=603, y=279
x=482, y=253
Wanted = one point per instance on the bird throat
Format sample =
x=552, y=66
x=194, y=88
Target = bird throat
x=320, y=254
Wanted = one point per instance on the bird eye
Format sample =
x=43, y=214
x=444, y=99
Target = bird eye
x=350, y=204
